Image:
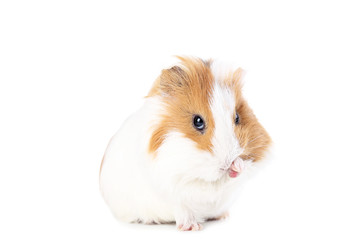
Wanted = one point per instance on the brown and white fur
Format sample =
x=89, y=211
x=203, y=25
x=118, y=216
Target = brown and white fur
x=160, y=168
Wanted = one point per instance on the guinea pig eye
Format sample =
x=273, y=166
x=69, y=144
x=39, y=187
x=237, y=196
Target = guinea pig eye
x=199, y=123
x=237, y=119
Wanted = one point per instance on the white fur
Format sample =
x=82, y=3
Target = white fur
x=183, y=183
x=226, y=145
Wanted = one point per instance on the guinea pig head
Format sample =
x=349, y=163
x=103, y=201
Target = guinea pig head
x=204, y=107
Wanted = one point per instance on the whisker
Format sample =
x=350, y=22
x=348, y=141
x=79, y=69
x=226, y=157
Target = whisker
x=261, y=135
x=256, y=147
x=253, y=139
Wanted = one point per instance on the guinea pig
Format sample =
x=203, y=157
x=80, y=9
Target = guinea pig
x=181, y=157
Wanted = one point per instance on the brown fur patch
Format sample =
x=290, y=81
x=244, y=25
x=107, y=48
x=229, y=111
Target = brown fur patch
x=252, y=136
x=185, y=90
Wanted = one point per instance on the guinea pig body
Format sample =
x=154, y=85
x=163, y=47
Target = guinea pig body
x=184, y=154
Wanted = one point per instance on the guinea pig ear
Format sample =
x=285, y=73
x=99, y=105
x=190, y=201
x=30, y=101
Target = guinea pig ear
x=172, y=80
x=237, y=78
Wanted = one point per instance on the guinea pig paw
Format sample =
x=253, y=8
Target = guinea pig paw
x=237, y=166
x=189, y=227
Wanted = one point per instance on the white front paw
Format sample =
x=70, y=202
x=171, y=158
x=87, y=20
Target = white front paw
x=237, y=166
x=194, y=226
x=186, y=221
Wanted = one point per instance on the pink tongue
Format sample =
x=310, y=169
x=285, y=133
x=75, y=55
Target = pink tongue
x=233, y=174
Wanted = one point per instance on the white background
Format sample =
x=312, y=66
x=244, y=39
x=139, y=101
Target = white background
x=72, y=71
